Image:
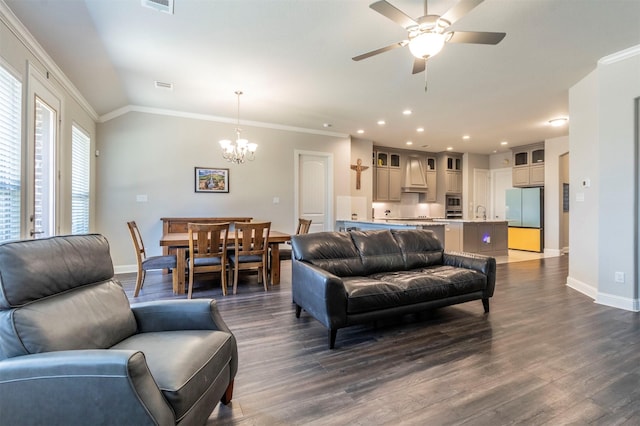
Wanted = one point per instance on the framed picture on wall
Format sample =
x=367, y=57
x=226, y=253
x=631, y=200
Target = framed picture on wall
x=209, y=179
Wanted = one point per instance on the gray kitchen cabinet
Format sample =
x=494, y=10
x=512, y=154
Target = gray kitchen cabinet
x=388, y=178
x=528, y=166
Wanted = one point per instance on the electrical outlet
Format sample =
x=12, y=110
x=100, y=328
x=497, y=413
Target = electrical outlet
x=619, y=277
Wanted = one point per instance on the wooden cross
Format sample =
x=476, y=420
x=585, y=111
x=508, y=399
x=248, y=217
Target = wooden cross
x=359, y=168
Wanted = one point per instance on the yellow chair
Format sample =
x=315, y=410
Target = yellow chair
x=251, y=248
x=147, y=263
x=208, y=251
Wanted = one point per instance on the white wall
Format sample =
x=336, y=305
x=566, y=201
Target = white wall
x=603, y=227
x=155, y=155
x=553, y=149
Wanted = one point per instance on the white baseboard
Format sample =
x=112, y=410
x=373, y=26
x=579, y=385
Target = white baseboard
x=125, y=269
x=583, y=288
x=619, y=302
x=552, y=252
x=612, y=300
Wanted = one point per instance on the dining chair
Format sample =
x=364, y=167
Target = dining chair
x=208, y=251
x=251, y=248
x=147, y=263
x=303, y=228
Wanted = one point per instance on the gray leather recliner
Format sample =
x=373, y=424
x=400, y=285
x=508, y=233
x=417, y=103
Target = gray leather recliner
x=73, y=351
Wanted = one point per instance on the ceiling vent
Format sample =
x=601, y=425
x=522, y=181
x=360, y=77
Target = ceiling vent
x=163, y=85
x=165, y=6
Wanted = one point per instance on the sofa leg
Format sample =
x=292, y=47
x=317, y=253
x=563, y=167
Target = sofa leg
x=228, y=394
x=485, y=303
x=333, y=332
x=298, y=310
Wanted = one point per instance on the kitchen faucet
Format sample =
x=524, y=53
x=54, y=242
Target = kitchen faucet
x=484, y=211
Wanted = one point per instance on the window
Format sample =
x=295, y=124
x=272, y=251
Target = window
x=80, y=159
x=10, y=148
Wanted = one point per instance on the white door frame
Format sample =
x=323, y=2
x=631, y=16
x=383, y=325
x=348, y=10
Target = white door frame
x=296, y=186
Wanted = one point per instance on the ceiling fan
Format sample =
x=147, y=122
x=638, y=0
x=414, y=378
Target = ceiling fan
x=428, y=34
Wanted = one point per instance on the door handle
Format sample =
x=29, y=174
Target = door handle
x=33, y=233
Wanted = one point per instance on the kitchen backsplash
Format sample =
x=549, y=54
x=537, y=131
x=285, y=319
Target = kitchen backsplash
x=408, y=207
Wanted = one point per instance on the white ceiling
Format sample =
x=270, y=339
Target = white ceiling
x=292, y=59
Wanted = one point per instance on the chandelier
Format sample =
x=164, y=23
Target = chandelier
x=241, y=150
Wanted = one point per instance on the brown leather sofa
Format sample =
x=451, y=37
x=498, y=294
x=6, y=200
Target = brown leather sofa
x=73, y=351
x=346, y=278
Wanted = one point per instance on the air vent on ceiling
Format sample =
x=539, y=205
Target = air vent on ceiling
x=165, y=6
x=163, y=85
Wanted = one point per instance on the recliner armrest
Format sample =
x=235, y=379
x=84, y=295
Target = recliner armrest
x=171, y=315
x=57, y=387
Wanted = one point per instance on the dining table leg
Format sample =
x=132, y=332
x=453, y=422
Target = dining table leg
x=275, y=263
x=179, y=272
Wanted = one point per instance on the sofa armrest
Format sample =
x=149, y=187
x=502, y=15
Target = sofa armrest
x=87, y=386
x=171, y=315
x=477, y=262
x=320, y=293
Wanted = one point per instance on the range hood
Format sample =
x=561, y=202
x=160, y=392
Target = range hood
x=415, y=179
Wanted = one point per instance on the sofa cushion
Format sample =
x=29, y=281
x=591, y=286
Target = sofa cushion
x=379, y=251
x=332, y=251
x=419, y=247
x=184, y=364
x=391, y=289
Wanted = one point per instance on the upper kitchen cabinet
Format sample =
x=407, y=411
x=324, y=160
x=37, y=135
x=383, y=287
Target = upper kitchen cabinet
x=452, y=166
x=528, y=166
x=431, y=180
x=388, y=177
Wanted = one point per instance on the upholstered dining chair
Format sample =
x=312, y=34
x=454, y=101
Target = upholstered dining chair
x=251, y=248
x=208, y=251
x=303, y=228
x=147, y=263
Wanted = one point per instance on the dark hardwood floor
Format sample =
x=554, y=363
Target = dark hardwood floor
x=545, y=355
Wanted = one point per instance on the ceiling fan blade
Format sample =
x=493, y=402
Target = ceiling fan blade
x=476, y=37
x=393, y=13
x=419, y=65
x=460, y=9
x=381, y=50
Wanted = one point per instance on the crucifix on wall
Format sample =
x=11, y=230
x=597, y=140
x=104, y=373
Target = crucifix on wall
x=359, y=168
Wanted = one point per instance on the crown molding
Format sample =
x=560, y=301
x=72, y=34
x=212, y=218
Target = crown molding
x=26, y=38
x=620, y=56
x=206, y=117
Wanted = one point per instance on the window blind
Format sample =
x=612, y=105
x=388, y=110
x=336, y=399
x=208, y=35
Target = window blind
x=80, y=177
x=10, y=159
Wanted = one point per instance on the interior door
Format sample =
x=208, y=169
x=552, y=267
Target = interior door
x=314, y=193
x=501, y=180
x=43, y=133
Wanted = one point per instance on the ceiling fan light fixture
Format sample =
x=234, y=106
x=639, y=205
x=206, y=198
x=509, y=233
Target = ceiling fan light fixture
x=427, y=44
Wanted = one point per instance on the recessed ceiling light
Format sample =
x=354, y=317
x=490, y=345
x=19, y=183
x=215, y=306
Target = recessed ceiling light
x=360, y=131
x=495, y=150
x=557, y=122
x=504, y=143
x=409, y=143
x=407, y=112
x=466, y=137
x=449, y=148
x=326, y=125
x=420, y=129
x=382, y=122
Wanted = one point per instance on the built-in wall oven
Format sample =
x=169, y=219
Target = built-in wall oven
x=453, y=207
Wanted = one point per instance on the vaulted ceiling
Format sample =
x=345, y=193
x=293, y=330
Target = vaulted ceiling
x=292, y=60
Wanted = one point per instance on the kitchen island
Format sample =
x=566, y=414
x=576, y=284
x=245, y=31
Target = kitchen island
x=488, y=237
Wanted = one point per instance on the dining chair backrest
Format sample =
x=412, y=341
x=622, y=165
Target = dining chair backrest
x=303, y=226
x=207, y=242
x=251, y=238
x=208, y=239
x=137, y=241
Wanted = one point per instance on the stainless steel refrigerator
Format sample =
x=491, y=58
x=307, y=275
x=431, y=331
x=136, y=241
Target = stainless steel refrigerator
x=525, y=214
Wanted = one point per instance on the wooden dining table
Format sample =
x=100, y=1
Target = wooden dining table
x=180, y=241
